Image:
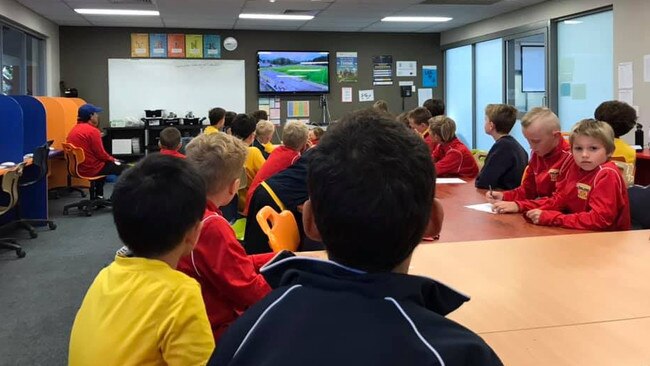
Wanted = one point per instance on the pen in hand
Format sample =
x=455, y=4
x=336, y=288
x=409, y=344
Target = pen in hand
x=490, y=191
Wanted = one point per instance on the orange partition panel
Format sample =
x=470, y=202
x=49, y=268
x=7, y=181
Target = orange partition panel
x=78, y=101
x=70, y=109
x=54, y=121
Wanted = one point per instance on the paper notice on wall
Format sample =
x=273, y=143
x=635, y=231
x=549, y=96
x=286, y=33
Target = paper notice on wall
x=346, y=95
x=366, y=95
x=625, y=75
x=424, y=94
x=626, y=95
x=298, y=109
x=407, y=68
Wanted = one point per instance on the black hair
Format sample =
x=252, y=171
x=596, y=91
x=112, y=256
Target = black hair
x=620, y=115
x=259, y=115
x=156, y=202
x=435, y=106
x=243, y=126
x=371, y=186
x=170, y=138
x=215, y=115
x=420, y=116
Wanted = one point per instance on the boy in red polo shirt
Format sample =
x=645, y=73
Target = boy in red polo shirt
x=230, y=280
x=550, y=151
x=170, y=142
x=294, y=140
x=451, y=157
x=591, y=194
x=419, y=122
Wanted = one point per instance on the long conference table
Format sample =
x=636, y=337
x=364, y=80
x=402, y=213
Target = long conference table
x=539, y=295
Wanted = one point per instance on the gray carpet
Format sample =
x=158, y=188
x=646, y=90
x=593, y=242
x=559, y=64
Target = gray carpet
x=40, y=294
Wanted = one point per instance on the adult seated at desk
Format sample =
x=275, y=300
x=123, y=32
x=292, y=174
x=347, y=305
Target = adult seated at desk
x=550, y=150
x=85, y=135
x=360, y=307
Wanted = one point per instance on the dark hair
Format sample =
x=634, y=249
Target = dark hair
x=243, y=126
x=502, y=115
x=435, y=106
x=420, y=115
x=260, y=115
x=230, y=116
x=371, y=186
x=156, y=202
x=617, y=114
x=215, y=115
x=170, y=138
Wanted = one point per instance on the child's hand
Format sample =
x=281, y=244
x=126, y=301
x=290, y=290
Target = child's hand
x=534, y=215
x=504, y=207
x=493, y=196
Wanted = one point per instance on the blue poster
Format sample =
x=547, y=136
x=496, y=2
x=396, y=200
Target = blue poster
x=429, y=76
x=158, y=45
x=211, y=46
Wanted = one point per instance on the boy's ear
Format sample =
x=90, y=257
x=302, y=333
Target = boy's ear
x=192, y=236
x=434, y=226
x=234, y=186
x=309, y=222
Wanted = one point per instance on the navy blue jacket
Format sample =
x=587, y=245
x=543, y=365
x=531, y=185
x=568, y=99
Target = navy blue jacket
x=323, y=313
x=504, y=165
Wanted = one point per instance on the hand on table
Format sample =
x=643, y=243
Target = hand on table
x=534, y=215
x=493, y=196
x=504, y=207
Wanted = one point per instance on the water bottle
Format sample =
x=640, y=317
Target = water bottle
x=638, y=135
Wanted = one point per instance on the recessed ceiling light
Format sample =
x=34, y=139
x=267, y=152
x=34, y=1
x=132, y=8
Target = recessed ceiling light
x=572, y=21
x=276, y=16
x=117, y=12
x=416, y=19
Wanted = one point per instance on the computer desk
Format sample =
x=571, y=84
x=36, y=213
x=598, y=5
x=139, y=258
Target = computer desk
x=464, y=224
x=581, y=299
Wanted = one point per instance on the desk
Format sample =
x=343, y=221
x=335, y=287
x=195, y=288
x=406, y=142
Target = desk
x=464, y=224
x=642, y=169
x=559, y=300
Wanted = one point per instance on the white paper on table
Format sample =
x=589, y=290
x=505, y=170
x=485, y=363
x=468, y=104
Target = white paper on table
x=424, y=94
x=449, y=181
x=626, y=95
x=121, y=146
x=625, y=75
x=483, y=207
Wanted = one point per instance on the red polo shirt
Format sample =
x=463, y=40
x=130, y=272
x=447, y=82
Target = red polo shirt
x=89, y=139
x=173, y=153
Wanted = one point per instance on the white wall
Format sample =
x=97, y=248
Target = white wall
x=16, y=13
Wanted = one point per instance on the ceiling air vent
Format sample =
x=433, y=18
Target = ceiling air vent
x=299, y=12
x=145, y=2
x=459, y=2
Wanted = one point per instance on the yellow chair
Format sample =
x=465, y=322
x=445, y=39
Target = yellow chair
x=74, y=156
x=10, y=187
x=283, y=232
x=627, y=170
x=479, y=156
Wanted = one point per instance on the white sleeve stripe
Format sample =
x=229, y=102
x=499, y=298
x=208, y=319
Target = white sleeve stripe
x=262, y=317
x=415, y=329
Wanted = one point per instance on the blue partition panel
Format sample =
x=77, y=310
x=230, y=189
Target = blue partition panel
x=33, y=198
x=11, y=130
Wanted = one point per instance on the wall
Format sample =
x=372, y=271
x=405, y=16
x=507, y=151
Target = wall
x=85, y=50
x=16, y=14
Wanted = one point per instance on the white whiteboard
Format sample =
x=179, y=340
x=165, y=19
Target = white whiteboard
x=177, y=86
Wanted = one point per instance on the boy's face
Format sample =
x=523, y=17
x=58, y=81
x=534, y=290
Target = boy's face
x=417, y=127
x=588, y=152
x=311, y=136
x=488, y=126
x=542, y=138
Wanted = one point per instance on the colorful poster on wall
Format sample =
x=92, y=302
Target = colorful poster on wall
x=347, y=67
x=382, y=70
x=429, y=76
x=298, y=109
x=176, y=45
x=211, y=46
x=193, y=46
x=139, y=45
x=158, y=45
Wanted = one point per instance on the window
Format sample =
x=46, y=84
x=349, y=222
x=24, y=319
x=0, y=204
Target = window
x=458, y=91
x=489, y=85
x=22, y=63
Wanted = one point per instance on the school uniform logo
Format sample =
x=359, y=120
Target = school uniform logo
x=583, y=190
x=554, y=173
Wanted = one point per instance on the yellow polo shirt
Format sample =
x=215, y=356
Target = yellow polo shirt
x=140, y=311
x=622, y=149
x=210, y=130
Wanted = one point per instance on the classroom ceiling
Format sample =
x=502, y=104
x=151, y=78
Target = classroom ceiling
x=330, y=15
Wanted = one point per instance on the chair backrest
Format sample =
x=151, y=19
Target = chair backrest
x=639, y=206
x=10, y=186
x=479, y=156
x=283, y=232
x=74, y=156
x=39, y=160
x=618, y=158
x=627, y=171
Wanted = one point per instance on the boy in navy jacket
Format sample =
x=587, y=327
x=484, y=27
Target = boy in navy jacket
x=371, y=199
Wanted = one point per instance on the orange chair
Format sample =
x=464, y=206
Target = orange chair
x=10, y=187
x=283, y=232
x=74, y=156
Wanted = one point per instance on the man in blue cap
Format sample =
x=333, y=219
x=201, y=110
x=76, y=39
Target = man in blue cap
x=85, y=134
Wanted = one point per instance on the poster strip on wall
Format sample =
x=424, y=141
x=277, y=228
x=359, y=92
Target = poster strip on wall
x=347, y=67
x=158, y=45
x=211, y=46
x=139, y=45
x=382, y=70
x=176, y=45
x=194, y=46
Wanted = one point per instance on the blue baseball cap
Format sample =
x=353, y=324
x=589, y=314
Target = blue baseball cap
x=87, y=110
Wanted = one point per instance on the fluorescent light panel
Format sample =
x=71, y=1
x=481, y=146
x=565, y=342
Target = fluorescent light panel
x=118, y=12
x=417, y=19
x=275, y=16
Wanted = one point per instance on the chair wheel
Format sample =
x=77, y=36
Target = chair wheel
x=21, y=253
x=33, y=234
x=88, y=212
x=51, y=225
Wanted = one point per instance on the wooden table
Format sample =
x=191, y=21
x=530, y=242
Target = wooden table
x=642, y=169
x=559, y=300
x=464, y=224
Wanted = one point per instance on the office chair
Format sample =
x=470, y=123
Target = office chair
x=283, y=232
x=74, y=156
x=10, y=187
x=39, y=160
x=639, y=206
x=626, y=169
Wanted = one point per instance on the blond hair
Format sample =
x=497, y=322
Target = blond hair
x=381, y=105
x=598, y=130
x=503, y=116
x=444, y=127
x=549, y=118
x=264, y=129
x=294, y=135
x=219, y=159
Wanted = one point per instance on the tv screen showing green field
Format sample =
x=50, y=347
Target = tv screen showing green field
x=284, y=72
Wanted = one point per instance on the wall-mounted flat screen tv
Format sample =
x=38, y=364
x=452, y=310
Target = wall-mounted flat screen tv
x=293, y=72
